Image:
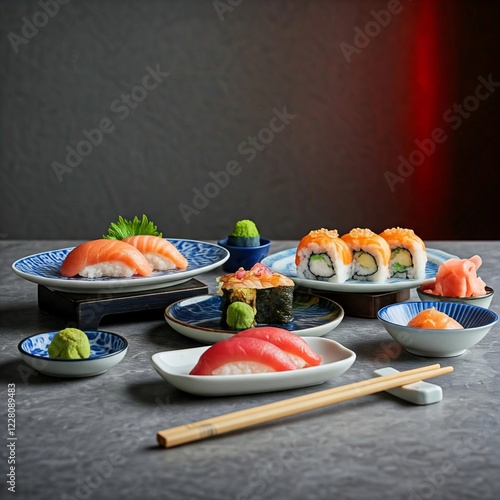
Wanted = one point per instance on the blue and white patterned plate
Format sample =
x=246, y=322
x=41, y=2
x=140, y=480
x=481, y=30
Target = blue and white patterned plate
x=200, y=317
x=106, y=350
x=284, y=262
x=44, y=269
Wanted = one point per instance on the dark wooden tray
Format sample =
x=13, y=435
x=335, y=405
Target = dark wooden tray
x=86, y=311
x=362, y=305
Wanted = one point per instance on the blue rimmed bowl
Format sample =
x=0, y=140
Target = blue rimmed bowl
x=106, y=350
x=481, y=300
x=244, y=257
x=477, y=322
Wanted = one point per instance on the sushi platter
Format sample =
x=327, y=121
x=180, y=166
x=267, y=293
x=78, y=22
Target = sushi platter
x=200, y=317
x=44, y=269
x=284, y=262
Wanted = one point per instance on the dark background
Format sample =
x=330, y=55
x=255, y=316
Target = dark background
x=228, y=70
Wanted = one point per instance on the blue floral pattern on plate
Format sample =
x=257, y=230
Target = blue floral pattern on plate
x=101, y=344
x=284, y=262
x=106, y=350
x=43, y=268
x=200, y=317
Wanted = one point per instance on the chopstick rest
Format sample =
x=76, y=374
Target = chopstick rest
x=419, y=393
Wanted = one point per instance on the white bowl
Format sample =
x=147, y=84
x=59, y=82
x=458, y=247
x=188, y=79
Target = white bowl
x=106, y=350
x=477, y=322
x=481, y=301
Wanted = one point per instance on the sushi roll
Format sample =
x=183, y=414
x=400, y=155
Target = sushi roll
x=270, y=294
x=160, y=253
x=97, y=258
x=408, y=254
x=321, y=255
x=370, y=255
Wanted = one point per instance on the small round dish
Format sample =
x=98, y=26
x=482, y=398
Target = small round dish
x=200, y=317
x=481, y=301
x=106, y=350
x=477, y=322
x=244, y=257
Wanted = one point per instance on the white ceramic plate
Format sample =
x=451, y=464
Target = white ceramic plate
x=284, y=262
x=43, y=269
x=174, y=367
x=200, y=317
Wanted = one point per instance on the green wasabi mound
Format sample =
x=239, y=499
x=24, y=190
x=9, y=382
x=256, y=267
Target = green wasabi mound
x=70, y=343
x=240, y=316
x=245, y=234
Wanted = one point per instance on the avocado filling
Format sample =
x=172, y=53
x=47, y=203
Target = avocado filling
x=321, y=266
x=401, y=261
x=365, y=264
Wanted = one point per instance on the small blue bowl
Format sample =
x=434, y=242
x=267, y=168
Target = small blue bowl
x=106, y=350
x=244, y=257
x=476, y=321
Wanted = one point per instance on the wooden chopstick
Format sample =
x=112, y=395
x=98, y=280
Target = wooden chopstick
x=241, y=419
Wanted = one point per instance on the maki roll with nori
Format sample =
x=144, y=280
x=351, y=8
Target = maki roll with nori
x=370, y=255
x=270, y=294
x=245, y=234
x=321, y=255
x=408, y=253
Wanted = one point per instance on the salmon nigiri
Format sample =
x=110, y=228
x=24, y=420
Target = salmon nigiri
x=160, y=253
x=434, y=320
x=242, y=355
x=296, y=347
x=97, y=258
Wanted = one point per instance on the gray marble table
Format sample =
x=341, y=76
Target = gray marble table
x=96, y=437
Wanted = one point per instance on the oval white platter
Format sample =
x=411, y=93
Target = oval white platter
x=284, y=262
x=200, y=317
x=43, y=269
x=174, y=367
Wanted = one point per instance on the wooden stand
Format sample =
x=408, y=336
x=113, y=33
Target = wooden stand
x=362, y=305
x=87, y=311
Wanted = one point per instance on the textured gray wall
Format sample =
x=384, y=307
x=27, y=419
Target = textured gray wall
x=228, y=73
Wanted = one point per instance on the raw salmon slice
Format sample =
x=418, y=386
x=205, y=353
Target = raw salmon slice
x=104, y=257
x=160, y=253
x=435, y=320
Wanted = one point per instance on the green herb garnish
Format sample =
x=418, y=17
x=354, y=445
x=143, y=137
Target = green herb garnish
x=125, y=228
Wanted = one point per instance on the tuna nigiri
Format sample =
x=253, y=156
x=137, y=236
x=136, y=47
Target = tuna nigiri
x=160, y=253
x=296, y=347
x=458, y=278
x=242, y=355
x=97, y=258
x=435, y=320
